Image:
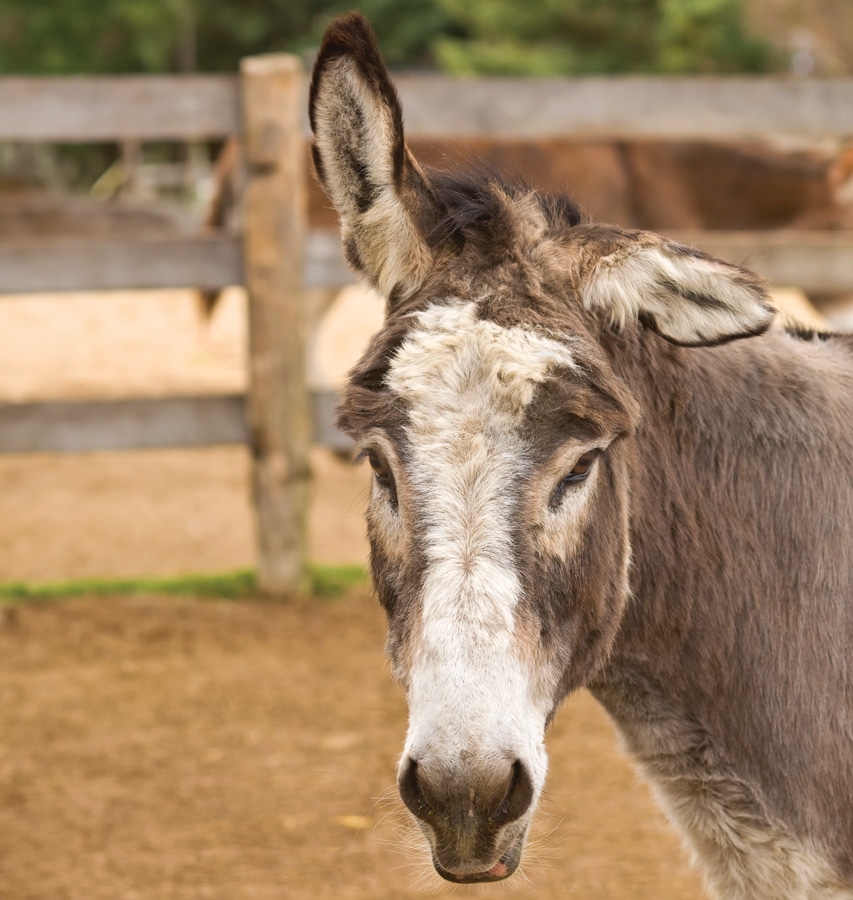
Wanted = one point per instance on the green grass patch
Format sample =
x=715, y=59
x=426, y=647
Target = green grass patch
x=323, y=581
x=329, y=581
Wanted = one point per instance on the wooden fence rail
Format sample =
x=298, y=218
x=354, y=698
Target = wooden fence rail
x=143, y=423
x=119, y=107
x=194, y=107
x=276, y=259
x=816, y=261
x=630, y=108
x=65, y=264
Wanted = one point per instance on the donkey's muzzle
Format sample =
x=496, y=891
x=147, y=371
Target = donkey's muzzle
x=475, y=822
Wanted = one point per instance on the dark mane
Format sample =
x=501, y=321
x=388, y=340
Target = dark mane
x=804, y=333
x=475, y=205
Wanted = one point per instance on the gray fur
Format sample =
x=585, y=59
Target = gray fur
x=701, y=587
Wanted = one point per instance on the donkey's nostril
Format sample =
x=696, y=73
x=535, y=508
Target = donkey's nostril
x=518, y=797
x=410, y=791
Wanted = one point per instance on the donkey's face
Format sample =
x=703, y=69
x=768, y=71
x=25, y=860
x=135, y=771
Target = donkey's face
x=500, y=441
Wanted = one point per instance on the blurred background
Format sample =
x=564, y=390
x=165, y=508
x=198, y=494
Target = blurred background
x=542, y=37
x=158, y=745
x=128, y=344
x=496, y=37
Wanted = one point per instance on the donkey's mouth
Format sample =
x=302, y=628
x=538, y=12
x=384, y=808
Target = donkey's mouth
x=503, y=868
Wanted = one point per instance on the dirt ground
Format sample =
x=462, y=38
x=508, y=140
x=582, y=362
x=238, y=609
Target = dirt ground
x=161, y=749
x=154, y=748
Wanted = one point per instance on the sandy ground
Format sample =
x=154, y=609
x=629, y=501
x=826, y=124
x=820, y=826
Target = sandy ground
x=156, y=513
x=161, y=749
x=154, y=748
x=152, y=512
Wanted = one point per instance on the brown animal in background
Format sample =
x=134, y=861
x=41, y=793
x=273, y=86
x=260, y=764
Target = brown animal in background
x=662, y=184
x=594, y=465
x=669, y=184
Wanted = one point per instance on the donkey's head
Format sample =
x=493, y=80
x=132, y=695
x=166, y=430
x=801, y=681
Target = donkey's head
x=499, y=436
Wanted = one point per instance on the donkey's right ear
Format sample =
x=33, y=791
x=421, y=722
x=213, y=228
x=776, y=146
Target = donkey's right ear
x=382, y=196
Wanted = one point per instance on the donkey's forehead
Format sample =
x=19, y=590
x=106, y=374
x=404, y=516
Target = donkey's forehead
x=450, y=352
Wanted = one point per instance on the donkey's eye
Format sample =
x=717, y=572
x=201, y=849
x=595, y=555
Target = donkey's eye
x=582, y=467
x=382, y=475
x=580, y=472
x=379, y=466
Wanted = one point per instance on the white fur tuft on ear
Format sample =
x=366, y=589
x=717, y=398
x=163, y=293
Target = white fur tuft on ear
x=363, y=163
x=687, y=297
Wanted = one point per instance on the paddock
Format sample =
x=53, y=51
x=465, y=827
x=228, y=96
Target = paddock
x=277, y=258
x=141, y=757
x=154, y=747
x=163, y=747
x=158, y=747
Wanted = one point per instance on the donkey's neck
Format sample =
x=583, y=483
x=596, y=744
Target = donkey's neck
x=728, y=531
x=741, y=610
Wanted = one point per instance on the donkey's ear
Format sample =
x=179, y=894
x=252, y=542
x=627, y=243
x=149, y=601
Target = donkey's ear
x=382, y=196
x=684, y=295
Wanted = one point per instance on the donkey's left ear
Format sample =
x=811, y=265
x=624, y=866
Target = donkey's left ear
x=382, y=196
x=684, y=295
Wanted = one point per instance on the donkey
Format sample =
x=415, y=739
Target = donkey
x=595, y=464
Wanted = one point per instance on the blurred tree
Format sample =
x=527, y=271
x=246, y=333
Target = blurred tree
x=95, y=36
x=62, y=36
x=551, y=37
x=231, y=29
x=536, y=37
x=88, y=35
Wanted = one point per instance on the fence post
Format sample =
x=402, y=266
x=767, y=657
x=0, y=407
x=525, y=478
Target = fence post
x=274, y=238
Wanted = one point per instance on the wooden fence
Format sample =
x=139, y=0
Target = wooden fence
x=265, y=106
x=276, y=258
